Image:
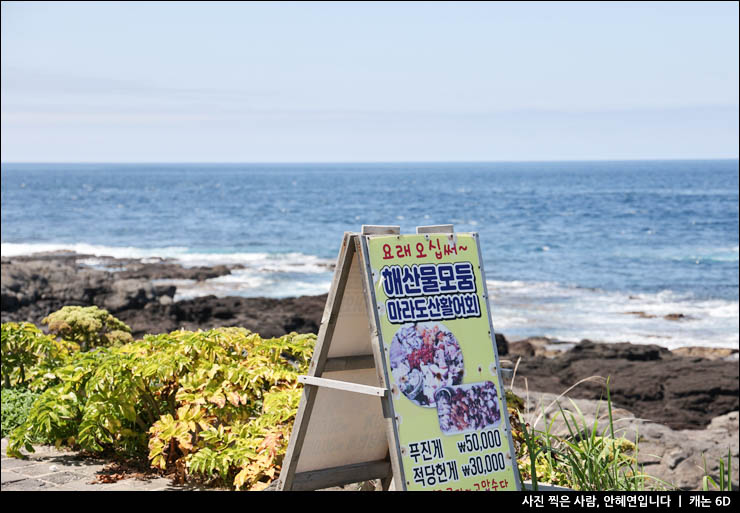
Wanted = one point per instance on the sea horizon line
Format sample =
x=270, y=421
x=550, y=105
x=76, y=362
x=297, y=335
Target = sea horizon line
x=371, y=162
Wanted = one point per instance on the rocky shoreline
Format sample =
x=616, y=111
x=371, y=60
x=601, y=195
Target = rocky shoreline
x=36, y=285
x=681, y=389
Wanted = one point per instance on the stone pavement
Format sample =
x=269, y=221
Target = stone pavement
x=52, y=469
x=62, y=469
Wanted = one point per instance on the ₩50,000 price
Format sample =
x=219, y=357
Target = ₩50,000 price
x=480, y=442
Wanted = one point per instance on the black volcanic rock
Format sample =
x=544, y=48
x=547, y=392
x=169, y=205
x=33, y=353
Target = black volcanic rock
x=502, y=345
x=651, y=381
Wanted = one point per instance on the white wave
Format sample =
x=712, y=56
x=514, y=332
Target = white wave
x=269, y=262
x=189, y=289
x=690, y=254
x=247, y=284
x=522, y=309
x=11, y=249
x=263, y=274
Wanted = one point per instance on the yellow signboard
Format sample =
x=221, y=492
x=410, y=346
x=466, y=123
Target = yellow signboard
x=441, y=362
x=404, y=384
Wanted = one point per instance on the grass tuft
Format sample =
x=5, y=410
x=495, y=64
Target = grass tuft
x=591, y=457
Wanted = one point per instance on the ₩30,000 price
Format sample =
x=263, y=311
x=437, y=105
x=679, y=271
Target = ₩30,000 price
x=478, y=465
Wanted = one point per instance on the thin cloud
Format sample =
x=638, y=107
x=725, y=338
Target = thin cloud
x=20, y=81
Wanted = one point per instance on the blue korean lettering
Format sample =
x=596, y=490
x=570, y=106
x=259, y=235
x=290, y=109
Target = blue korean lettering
x=446, y=275
x=465, y=277
x=410, y=278
x=428, y=278
x=420, y=309
x=392, y=285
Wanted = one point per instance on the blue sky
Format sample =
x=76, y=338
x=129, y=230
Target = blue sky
x=291, y=82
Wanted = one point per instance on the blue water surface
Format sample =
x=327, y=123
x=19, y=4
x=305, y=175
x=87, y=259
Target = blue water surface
x=637, y=226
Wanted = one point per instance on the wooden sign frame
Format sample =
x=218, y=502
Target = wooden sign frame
x=345, y=430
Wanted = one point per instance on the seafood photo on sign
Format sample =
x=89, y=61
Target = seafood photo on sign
x=424, y=358
x=466, y=408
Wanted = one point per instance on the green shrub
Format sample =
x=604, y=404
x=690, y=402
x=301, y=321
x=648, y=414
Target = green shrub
x=15, y=406
x=217, y=405
x=29, y=357
x=88, y=326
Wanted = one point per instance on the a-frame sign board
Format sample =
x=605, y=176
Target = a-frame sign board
x=387, y=395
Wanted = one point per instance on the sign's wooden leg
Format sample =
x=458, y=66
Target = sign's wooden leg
x=323, y=341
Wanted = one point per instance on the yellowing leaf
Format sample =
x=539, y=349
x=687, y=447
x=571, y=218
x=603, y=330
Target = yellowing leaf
x=218, y=399
x=184, y=442
x=234, y=398
x=159, y=462
x=212, y=372
x=240, y=478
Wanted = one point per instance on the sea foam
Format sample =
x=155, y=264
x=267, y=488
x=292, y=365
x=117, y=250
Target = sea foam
x=518, y=308
x=571, y=313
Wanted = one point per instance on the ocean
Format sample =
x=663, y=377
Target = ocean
x=570, y=248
